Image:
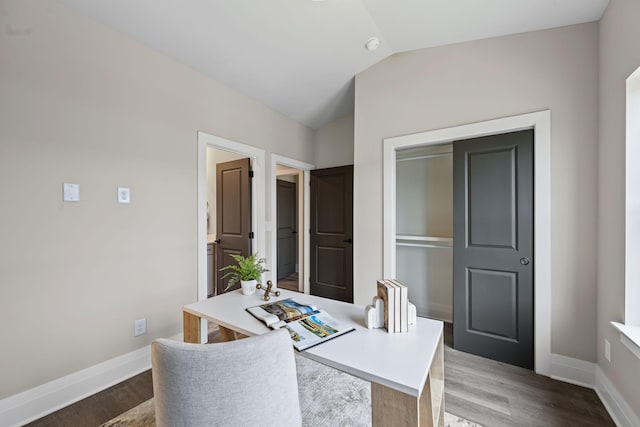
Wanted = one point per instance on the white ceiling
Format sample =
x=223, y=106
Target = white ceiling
x=300, y=56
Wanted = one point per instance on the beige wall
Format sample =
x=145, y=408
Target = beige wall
x=81, y=103
x=469, y=82
x=333, y=143
x=619, y=57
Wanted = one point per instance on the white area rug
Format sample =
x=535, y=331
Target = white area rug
x=330, y=398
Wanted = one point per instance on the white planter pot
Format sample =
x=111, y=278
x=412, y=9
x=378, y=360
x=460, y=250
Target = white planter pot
x=248, y=286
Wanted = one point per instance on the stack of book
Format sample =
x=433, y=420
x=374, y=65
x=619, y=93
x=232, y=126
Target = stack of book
x=396, y=305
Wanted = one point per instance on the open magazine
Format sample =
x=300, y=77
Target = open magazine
x=307, y=325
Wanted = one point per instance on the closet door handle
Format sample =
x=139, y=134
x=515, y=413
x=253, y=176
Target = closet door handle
x=217, y=241
x=347, y=241
x=524, y=261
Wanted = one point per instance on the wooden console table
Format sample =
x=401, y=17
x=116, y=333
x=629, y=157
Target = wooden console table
x=406, y=370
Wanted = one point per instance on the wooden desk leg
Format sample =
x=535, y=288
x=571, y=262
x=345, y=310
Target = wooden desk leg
x=393, y=407
x=191, y=327
x=436, y=385
x=191, y=330
x=226, y=334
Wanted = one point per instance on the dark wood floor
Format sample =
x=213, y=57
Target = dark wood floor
x=495, y=394
x=100, y=408
x=289, y=282
x=490, y=393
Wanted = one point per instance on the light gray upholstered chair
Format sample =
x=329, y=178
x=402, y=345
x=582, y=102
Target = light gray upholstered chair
x=249, y=382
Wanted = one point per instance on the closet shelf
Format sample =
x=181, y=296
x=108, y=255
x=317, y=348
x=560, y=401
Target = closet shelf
x=424, y=241
x=423, y=157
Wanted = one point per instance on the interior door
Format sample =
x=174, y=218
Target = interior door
x=493, y=247
x=233, y=214
x=331, y=234
x=286, y=239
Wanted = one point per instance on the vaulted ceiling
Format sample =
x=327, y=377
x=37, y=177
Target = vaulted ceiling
x=300, y=56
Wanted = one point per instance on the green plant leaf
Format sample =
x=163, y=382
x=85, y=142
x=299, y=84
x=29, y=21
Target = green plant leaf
x=246, y=268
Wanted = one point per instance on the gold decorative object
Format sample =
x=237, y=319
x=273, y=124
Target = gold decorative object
x=267, y=290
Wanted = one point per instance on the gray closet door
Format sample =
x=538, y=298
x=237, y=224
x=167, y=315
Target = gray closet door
x=493, y=247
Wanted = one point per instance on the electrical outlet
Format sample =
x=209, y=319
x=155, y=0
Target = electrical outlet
x=139, y=327
x=607, y=350
x=124, y=195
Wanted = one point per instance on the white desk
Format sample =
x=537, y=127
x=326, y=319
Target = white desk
x=406, y=370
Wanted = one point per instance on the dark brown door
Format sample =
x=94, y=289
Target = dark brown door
x=286, y=240
x=332, y=233
x=493, y=247
x=233, y=214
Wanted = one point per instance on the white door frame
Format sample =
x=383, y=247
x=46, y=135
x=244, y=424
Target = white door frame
x=257, y=201
x=541, y=122
x=303, y=228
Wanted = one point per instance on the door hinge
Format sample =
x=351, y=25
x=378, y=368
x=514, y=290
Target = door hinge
x=251, y=234
x=250, y=174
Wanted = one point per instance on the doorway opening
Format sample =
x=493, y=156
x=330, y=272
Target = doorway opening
x=540, y=122
x=424, y=239
x=290, y=223
x=257, y=158
x=331, y=233
x=288, y=220
x=229, y=227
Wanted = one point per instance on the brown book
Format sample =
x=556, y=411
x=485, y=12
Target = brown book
x=386, y=292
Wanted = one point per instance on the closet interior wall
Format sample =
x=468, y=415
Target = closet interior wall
x=424, y=228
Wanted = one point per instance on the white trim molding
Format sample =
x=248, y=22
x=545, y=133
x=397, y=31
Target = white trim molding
x=573, y=371
x=590, y=375
x=541, y=122
x=632, y=203
x=618, y=408
x=629, y=337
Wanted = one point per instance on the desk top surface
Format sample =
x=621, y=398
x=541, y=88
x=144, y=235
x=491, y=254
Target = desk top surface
x=397, y=360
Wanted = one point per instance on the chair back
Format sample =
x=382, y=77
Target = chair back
x=249, y=382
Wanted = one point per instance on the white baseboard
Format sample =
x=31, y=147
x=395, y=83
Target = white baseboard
x=44, y=399
x=588, y=374
x=573, y=371
x=617, y=407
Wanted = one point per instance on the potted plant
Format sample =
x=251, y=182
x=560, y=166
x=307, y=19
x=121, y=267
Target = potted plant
x=248, y=272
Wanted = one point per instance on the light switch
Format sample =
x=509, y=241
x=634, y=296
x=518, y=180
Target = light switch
x=124, y=195
x=70, y=192
x=139, y=327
